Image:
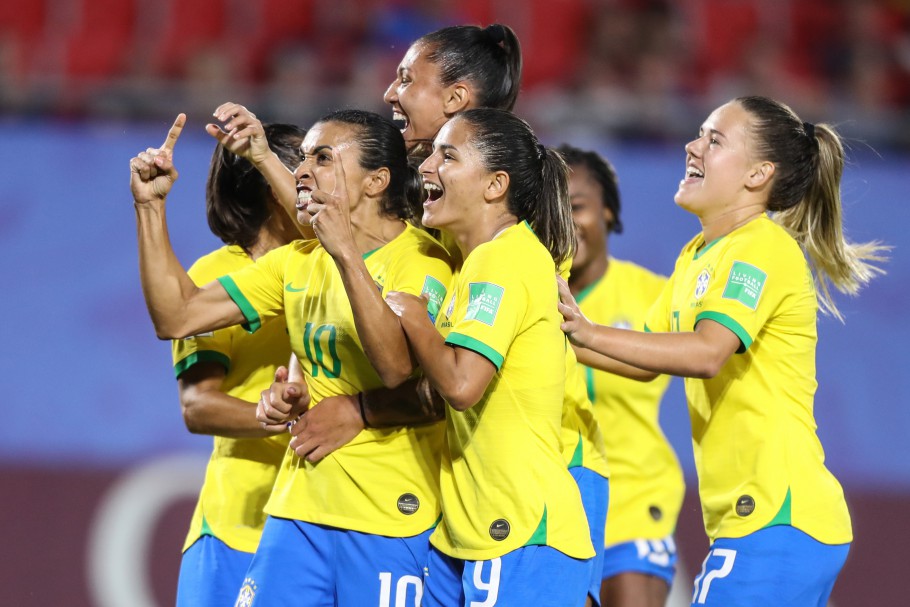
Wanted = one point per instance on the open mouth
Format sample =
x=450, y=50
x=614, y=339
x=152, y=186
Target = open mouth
x=304, y=195
x=434, y=192
x=693, y=173
x=400, y=119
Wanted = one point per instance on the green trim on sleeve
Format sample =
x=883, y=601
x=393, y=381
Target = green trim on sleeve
x=578, y=456
x=721, y=318
x=539, y=537
x=647, y=330
x=783, y=516
x=463, y=341
x=253, y=322
x=201, y=356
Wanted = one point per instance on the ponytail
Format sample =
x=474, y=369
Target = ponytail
x=538, y=177
x=805, y=197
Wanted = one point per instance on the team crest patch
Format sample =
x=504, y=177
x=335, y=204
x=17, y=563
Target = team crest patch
x=745, y=284
x=483, y=302
x=701, y=284
x=499, y=529
x=435, y=292
x=247, y=593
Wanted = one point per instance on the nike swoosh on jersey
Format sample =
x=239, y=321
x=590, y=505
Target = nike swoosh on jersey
x=291, y=289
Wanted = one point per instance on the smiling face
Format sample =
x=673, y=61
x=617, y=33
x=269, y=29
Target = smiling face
x=317, y=169
x=590, y=217
x=455, y=179
x=718, y=163
x=417, y=96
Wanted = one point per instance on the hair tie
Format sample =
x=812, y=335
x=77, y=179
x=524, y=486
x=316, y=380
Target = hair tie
x=810, y=130
x=541, y=151
x=496, y=33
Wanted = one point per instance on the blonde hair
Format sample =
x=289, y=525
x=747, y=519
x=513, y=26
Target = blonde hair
x=805, y=198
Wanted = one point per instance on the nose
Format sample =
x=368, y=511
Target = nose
x=428, y=166
x=391, y=93
x=303, y=170
x=693, y=148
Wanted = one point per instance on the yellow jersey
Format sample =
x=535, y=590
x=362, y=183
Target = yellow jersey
x=646, y=482
x=758, y=457
x=504, y=482
x=241, y=471
x=385, y=481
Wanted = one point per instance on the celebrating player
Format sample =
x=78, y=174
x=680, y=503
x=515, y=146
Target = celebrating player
x=513, y=530
x=354, y=528
x=737, y=319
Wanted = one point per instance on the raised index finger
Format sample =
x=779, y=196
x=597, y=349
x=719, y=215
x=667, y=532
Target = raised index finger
x=341, y=188
x=174, y=133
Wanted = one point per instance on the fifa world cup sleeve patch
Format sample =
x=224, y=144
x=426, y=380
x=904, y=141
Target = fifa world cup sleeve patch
x=483, y=302
x=745, y=284
x=435, y=292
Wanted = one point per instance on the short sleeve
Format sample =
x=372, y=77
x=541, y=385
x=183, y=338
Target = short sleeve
x=258, y=289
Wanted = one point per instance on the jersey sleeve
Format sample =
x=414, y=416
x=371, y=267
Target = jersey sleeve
x=425, y=271
x=489, y=308
x=741, y=295
x=258, y=289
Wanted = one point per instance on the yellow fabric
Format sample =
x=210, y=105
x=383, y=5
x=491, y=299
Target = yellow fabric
x=646, y=482
x=503, y=460
x=753, y=427
x=240, y=472
x=359, y=486
x=582, y=441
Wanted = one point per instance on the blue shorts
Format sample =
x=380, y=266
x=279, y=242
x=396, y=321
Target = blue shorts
x=210, y=573
x=532, y=575
x=333, y=567
x=595, y=495
x=780, y=566
x=650, y=557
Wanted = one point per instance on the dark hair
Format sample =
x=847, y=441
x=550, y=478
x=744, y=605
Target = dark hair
x=489, y=58
x=805, y=195
x=538, y=177
x=603, y=173
x=236, y=193
x=382, y=145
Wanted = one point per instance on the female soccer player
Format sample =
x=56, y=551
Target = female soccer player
x=450, y=70
x=354, y=528
x=737, y=319
x=646, y=482
x=513, y=530
x=220, y=375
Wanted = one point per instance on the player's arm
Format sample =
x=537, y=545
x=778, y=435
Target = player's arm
x=378, y=328
x=243, y=135
x=178, y=307
x=459, y=375
x=208, y=410
x=338, y=419
x=700, y=353
x=596, y=360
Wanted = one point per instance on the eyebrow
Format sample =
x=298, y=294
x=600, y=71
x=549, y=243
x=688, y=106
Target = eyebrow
x=316, y=149
x=445, y=146
x=714, y=132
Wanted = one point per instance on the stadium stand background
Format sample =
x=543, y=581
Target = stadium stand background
x=98, y=473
